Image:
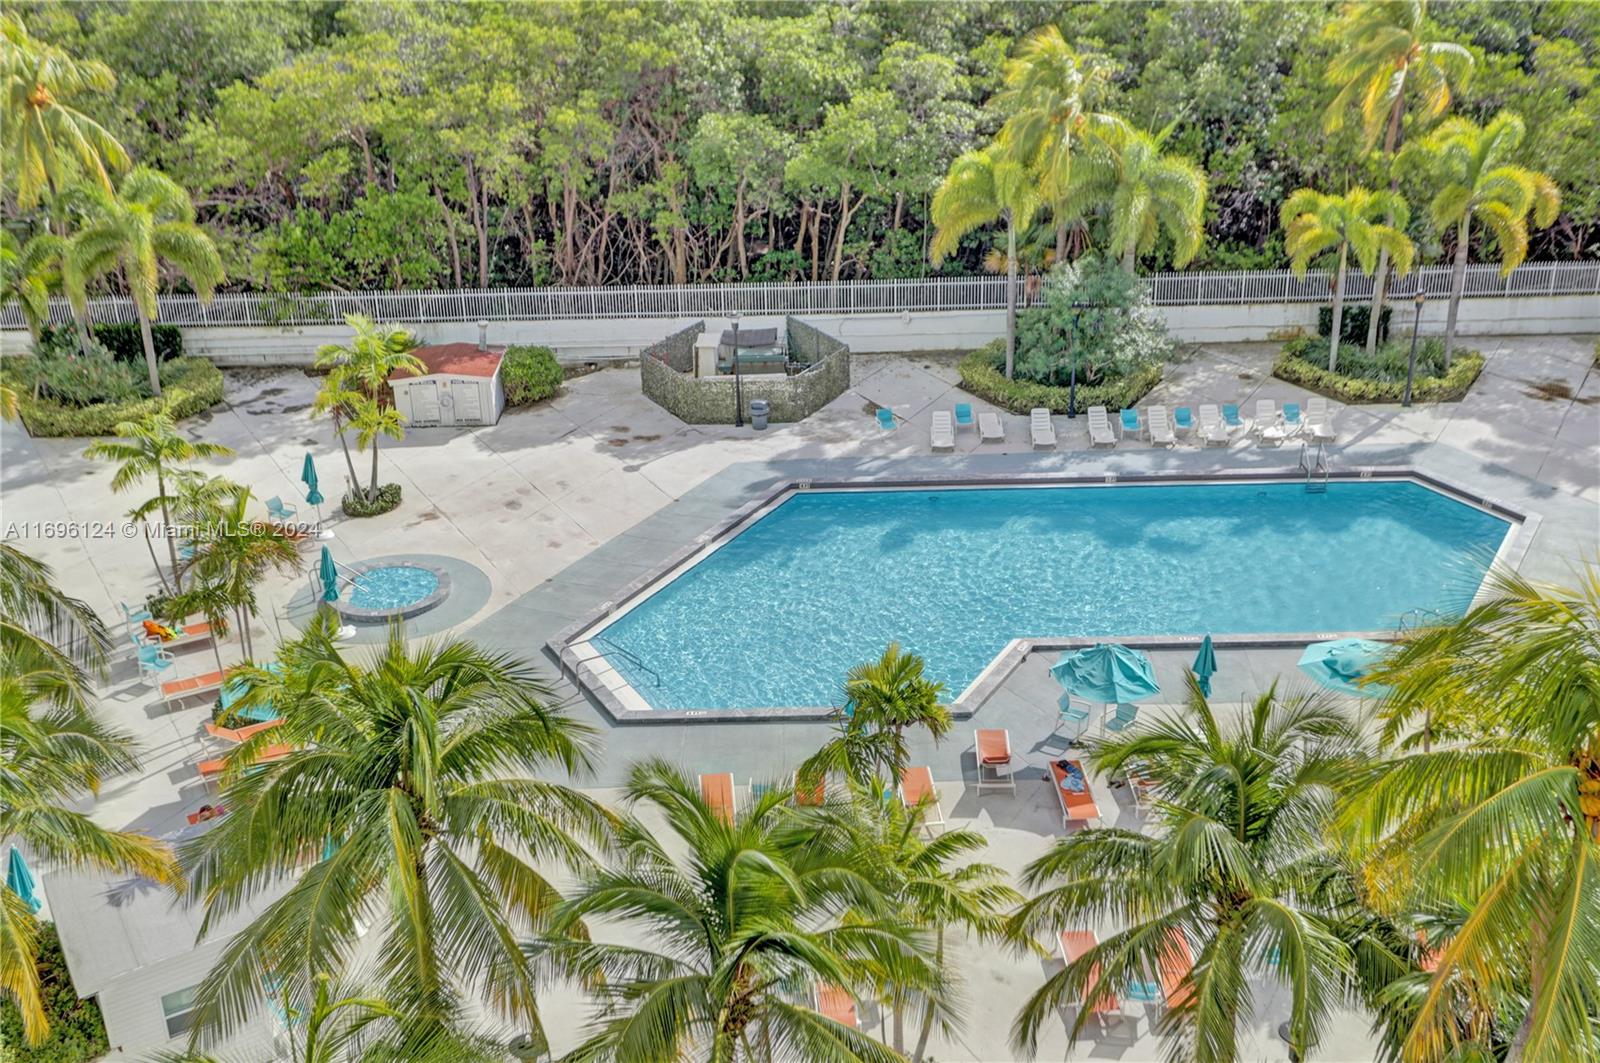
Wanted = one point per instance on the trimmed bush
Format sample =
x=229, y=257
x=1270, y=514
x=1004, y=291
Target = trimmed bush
x=1353, y=322
x=77, y=1029
x=983, y=374
x=123, y=340
x=355, y=505
x=189, y=385
x=530, y=374
x=1304, y=362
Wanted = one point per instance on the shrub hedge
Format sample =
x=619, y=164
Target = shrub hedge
x=124, y=342
x=77, y=1029
x=356, y=505
x=530, y=374
x=189, y=385
x=983, y=374
x=1353, y=321
x=1451, y=387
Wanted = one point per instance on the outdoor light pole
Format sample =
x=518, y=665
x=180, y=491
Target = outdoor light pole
x=1411, y=360
x=1072, y=361
x=738, y=383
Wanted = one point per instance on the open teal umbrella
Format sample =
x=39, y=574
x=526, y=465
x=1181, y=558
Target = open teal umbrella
x=1107, y=672
x=1340, y=664
x=19, y=880
x=330, y=577
x=1205, y=666
x=308, y=475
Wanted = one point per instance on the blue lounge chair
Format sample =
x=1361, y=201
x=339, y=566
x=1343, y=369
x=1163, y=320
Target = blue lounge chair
x=134, y=616
x=964, y=418
x=886, y=418
x=153, y=660
x=280, y=512
x=1130, y=422
x=1231, y=418
x=1123, y=718
x=1183, y=420
x=1068, y=713
x=1291, y=418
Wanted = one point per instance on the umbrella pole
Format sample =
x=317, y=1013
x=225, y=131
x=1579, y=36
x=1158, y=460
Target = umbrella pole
x=323, y=534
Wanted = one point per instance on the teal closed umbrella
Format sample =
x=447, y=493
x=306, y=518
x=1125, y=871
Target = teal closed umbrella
x=330, y=577
x=19, y=880
x=1107, y=672
x=308, y=475
x=1205, y=666
x=1341, y=664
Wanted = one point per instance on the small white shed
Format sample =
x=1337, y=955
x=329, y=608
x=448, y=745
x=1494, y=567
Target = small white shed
x=461, y=387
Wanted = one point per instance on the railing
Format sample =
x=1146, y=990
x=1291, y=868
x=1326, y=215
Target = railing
x=776, y=299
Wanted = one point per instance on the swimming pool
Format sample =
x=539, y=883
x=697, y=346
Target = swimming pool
x=383, y=590
x=775, y=615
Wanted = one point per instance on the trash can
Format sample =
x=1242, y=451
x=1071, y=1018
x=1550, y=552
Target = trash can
x=758, y=414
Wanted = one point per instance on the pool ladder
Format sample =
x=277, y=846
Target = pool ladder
x=1316, y=470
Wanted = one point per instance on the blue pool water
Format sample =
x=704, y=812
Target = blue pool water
x=392, y=587
x=779, y=613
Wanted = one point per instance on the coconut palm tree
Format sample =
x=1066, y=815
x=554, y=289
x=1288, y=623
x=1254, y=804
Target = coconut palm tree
x=1383, y=60
x=1473, y=171
x=234, y=551
x=27, y=273
x=147, y=222
x=982, y=187
x=1230, y=865
x=52, y=637
x=1151, y=193
x=1317, y=222
x=1050, y=95
x=932, y=882
x=1501, y=816
x=149, y=447
x=883, y=699
x=43, y=128
x=356, y=390
x=731, y=936
x=416, y=790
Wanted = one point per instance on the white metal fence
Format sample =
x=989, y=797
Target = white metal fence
x=848, y=297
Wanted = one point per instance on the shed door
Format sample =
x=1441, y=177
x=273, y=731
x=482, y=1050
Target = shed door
x=425, y=402
x=469, y=401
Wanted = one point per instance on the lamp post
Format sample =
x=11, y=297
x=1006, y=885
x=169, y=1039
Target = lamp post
x=738, y=383
x=1411, y=360
x=1072, y=364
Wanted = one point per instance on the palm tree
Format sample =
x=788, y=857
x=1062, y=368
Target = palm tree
x=1316, y=222
x=27, y=273
x=51, y=749
x=43, y=127
x=234, y=552
x=150, y=220
x=1153, y=193
x=1232, y=868
x=985, y=186
x=882, y=699
x=360, y=370
x=1472, y=169
x=1383, y=58
x=1049, y=96
x=929, y=880
x=1502, y=817
x=414, y=791
x=732, y=935
x=152, y=447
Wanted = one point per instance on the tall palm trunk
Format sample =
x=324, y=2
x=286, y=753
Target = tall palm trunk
x=1061, y=242
x=927, y=1012
x=1380, y=278
x=372, y=492
x=1129, y=259
x=1011, y=296
x=1338, y=308
x=155, y=562
x=166, y=532
x=1458, y=285
x=338, y=431
x=149, y=342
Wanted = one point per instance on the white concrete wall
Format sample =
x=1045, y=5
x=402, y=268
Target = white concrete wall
x=581, y=340
x=136, y=1026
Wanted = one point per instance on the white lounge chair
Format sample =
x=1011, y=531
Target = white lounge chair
x=1161, y=434
x=1039, y=426
x=1100, y=433
x=990, y=428
x=943, y=433
x=1213, y=433
x=1319, y=420
x=1266, y=416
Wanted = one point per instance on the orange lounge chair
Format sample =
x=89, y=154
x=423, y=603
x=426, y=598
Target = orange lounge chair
x=208, y=768
x=994, y=753
x=205, y=813
x=238, y=734
x=834, y=1003
x=192, y=686
x=1074, y=943
x=717, y=792
x=1174, y=966
x=916, y=788
x=1074, y=804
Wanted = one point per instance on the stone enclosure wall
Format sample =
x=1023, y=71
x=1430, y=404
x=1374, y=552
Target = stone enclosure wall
x=697, y=400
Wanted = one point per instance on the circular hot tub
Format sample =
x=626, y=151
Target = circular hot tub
x=381, y=591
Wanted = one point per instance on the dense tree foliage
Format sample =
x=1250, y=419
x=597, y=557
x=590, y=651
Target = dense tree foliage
x=335, y=144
